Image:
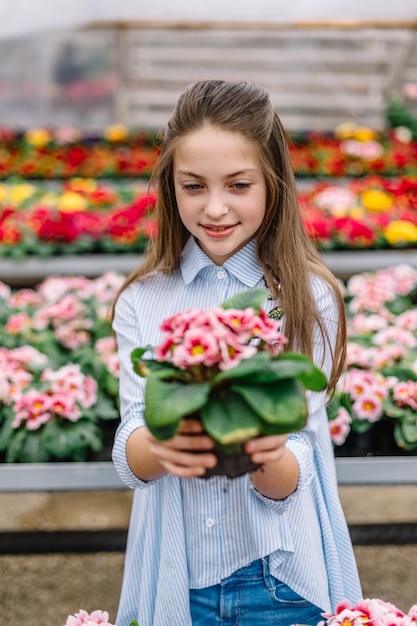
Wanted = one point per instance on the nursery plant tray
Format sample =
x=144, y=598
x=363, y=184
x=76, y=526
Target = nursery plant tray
x=102, y=475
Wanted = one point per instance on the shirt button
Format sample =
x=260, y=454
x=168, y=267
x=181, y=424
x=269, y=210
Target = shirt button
x=221, y=274
x=209, y=523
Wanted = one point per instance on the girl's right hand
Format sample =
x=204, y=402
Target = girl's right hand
x=187, y=454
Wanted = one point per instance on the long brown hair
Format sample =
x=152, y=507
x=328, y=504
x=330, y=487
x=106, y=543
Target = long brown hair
x=284, y=249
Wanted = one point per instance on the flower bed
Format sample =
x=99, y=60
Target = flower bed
x=351, y=150
x=59, y=369
x=374, y=410
x=59, y=374
x=84, y=216
x=79, y=216
x=369, y=213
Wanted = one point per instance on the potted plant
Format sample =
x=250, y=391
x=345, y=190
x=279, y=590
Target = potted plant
x=226, y=366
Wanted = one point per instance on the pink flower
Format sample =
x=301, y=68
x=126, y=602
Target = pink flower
x=32, y=408
x=340, y=426
x=364, y=149
x=17, y=323
x=65, y=406
x=28, y=355
x=24, y=298
x=368, y=407
x=82, y=618
x=405, y=394
x=197, y=348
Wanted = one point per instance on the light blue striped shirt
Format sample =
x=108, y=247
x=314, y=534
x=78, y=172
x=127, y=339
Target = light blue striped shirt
x=191, y=533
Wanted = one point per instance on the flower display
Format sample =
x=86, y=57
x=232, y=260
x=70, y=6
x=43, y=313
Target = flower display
x=118, y=151
x=58, y=368
x=380, y=381
x=81, y=216
x=226, y=366
x=61, y=153
x=368, y=213
x=86, y=216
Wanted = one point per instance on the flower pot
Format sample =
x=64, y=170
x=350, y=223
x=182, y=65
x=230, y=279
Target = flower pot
x=231, y=463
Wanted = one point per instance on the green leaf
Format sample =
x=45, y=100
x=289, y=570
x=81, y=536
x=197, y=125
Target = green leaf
x=164, y=370
x=254, y=368
x=252, y=298
x=105, y=409
x=262, y=368
x=402, y=373
x=229, y=419
x=281, y=405
x=166, y=403
x=400, y=439
x=27, y=447
x=409, y=431
x=302, y=367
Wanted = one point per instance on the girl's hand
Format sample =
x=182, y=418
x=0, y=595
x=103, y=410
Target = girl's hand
x=187, y=454
x=266, y=449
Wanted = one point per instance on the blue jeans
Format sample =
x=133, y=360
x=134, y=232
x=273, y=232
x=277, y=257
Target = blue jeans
x=251, y=596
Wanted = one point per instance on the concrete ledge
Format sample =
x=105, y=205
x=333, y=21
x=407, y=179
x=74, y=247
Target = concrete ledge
x=102, y=475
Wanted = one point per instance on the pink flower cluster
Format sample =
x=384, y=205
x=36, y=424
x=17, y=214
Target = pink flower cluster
x=67, y=306
x=82, y=618
x=219, y=337
x=370, y=612
x=64, y=392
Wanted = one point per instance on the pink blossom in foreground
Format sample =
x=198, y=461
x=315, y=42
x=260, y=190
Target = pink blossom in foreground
x=217, y=338
x=369, y=612
x=82, y=618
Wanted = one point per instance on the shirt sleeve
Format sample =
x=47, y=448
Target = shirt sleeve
x=131, y=386
x=303, y=443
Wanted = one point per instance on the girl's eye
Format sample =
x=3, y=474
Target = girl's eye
x=192, y=187
x=241, y=186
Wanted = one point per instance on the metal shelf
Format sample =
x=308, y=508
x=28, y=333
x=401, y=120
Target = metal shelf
x=33, y=270
x=19, y=477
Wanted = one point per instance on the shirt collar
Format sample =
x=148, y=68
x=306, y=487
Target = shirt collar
x=243, y=265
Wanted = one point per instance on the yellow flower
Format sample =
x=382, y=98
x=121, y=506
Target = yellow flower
x=3, y=193
x=363, y=133
x=38, y=137
x=376, y=200
x=345, y=131
x=116, y=132
x=18, y=194
x=357, y=212
x=71, y=201
x=400, y=231
x=83, y=184
x=48, y=199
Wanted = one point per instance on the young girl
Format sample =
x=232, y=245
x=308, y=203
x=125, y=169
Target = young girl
x=269, y=547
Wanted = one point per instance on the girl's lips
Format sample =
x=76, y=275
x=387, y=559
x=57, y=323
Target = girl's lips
x=218, y=232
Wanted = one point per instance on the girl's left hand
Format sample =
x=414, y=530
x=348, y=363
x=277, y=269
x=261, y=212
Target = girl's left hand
x=266, y=449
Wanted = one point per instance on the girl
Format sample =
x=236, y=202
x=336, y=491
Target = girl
x=272, y=546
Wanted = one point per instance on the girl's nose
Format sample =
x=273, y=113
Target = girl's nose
x=216, y=207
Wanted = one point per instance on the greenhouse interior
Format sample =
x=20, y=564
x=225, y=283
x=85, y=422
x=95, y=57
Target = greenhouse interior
x=86, y=92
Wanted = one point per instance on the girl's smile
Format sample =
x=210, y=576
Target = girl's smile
x=220, y=190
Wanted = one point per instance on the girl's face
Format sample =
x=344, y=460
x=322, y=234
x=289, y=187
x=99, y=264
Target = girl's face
x=220, y=190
